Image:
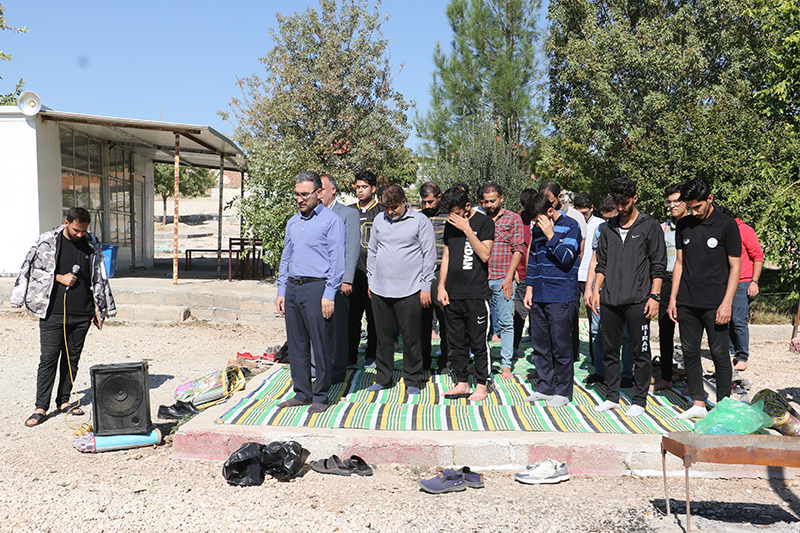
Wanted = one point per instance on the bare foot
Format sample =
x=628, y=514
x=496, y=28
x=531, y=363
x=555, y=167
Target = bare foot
x=460, y=388
x=434, y=335
x=661, y=385
x=495, y=338
x=507, y=373
x=740, y=366
x=480, y=394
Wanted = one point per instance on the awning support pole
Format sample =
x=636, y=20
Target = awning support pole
x=175, y=198
x=219, y=223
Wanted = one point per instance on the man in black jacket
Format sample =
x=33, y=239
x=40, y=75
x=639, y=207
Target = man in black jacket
x=631, y=263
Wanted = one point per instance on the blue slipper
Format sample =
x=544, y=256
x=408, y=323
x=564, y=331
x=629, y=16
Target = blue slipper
x=447, y=481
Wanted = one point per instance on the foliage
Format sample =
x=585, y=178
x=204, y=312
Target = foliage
x=663, y=91
x=10, y=98
x=193, y=182
x=328, y=91
x=268, y=202
x=485, y=156
x=492, y=69
x=780, y=20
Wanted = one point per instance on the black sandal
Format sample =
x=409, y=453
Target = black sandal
x=359, y=465
x=37, y=417
x=332, y=465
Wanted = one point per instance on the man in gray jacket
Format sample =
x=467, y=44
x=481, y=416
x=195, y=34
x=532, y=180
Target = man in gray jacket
x=401, y=261
x=63, y=281
x=351, y=250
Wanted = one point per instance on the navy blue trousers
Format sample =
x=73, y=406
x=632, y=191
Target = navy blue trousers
x=551, y=338
x=306, y=327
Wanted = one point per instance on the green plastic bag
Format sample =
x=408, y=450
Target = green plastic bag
x=731, y=417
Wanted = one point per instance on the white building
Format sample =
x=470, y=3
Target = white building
x=53, y=160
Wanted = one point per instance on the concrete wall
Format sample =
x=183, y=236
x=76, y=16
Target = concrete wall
x=48, y=160
x=18, y=178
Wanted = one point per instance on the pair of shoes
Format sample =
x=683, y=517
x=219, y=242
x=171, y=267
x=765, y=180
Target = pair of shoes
x=593, y=378
x=177, y=411
x=247, y=356
x=348, y=467
x=291, y=402
x=37, y=418
x=543, y=472
x=449, y=480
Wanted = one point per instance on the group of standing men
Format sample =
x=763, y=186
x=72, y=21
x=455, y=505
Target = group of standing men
x=481, y=271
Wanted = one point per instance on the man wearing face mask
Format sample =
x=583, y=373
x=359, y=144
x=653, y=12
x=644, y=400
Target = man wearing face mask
x=63, y=281
x=311, y=270
x=401, y=259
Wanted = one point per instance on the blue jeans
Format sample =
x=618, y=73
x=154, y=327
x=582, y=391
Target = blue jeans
x=503, y=309
x=738, y=328
x=598, y=350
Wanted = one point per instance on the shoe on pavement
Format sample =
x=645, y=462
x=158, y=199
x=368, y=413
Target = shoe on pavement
x=543, y=472
x=447, y=481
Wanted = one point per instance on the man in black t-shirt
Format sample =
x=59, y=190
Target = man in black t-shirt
x=464, y=291
x=63, y=281
x=704, y=281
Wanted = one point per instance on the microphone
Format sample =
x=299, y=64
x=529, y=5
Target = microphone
x=75, y=270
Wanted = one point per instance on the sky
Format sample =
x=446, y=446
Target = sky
x=178, y=60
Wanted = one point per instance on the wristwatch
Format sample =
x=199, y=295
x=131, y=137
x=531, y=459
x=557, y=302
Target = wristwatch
x=656, y=297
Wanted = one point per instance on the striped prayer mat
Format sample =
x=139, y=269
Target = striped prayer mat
x=352, y=406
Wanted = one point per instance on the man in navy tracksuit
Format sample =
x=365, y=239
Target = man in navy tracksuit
x=631, y=263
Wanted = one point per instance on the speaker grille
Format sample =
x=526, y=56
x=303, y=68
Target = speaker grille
x=121, y=399
x=120, y=395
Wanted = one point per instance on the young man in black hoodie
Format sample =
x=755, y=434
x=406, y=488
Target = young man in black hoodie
x=631, y=263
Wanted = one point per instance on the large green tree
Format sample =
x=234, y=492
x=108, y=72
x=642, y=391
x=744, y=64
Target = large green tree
x=10, y=98
x=193, y=183
x=663, y=91
x=491, y=69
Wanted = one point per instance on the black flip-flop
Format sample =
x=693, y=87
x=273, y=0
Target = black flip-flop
x=38, y=417
x=77, y=411
x=332, y=465
x=359, y=465
x=458, y=396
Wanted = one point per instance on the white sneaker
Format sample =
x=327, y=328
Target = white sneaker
x=547, y=471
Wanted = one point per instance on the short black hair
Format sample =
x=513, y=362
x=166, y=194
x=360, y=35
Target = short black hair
x=550, y=186
x=368, y=176
x=461, y=185
x=309, y=175
x=454, y=197
x=80, y=214
x=393, y=194
x=695, y=189
x=608, y=204
x=538, y=204
x=622, y=188
x=672, y=189
x=524, y=195
x=489, y=187
x=379, y=193
x=725, y=211
x=429, y=188
x=582, y=200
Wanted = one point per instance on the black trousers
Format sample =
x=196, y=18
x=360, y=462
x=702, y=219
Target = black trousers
x=581, y=290
x=551, y=337
x=389, y=312
x=305, y=326
x=666, y=331
x=54, y=356
x=693, y=321
x=341, y=344
x=613, y=319
x=360, y=304
x=468, y=324
x=425, y=328
x=520, y=313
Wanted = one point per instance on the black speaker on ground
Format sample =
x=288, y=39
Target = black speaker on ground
x=121, y=399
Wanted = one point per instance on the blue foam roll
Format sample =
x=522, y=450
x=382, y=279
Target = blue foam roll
x=91, y=444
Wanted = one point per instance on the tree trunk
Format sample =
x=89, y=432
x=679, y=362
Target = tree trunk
x=164, y=216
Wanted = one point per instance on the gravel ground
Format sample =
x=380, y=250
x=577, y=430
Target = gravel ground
x=49, y=486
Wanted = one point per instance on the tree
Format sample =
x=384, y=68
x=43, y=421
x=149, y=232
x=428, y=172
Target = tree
x=193, y=182
x=492, y=69
x=663, y=91
x=10, y=98
x=325, y=103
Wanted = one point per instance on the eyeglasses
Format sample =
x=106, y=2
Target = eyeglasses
x=674, y=202
x=304, y=195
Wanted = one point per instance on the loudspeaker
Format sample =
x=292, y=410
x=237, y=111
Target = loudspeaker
x=121, y=403
x=29, y=103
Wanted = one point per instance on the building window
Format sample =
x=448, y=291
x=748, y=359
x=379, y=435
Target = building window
x=82, y=176
x=119, y=186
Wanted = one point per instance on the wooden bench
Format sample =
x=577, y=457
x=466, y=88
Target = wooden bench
x=247, y=249
x=191, y=251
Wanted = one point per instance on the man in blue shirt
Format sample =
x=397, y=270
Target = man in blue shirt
x=552, y=297
x=311, y=270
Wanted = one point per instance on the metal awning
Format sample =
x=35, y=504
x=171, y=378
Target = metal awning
x=201, y=146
